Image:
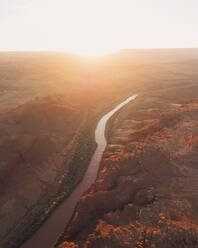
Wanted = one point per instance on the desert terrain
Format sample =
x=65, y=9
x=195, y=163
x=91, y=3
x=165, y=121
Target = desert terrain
x=145, y=192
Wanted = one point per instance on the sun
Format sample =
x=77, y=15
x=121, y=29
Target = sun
x=92, y=52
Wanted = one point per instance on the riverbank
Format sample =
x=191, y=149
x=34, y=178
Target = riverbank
x=145, y=192
x=55, y=224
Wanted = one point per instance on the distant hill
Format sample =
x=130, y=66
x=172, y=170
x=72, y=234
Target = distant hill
x=160, y=55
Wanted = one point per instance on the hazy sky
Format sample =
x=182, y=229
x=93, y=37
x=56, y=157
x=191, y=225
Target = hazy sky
x=97, y=26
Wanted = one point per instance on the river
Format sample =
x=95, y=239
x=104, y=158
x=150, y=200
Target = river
x=49, y=231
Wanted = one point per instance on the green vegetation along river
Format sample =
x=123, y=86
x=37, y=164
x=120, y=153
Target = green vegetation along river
x=55, y=223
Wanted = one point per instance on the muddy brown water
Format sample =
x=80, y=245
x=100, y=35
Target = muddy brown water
x=49, y=231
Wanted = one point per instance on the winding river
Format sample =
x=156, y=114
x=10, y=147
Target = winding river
x=55, y=223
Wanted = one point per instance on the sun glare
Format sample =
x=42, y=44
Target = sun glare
x=91, y=31
x=95, y=52
x=87, y=27
x=96, y=27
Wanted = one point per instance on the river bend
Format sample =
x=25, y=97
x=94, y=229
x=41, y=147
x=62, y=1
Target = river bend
x=49, y=231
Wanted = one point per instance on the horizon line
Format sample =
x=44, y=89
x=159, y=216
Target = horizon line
x=76, y=53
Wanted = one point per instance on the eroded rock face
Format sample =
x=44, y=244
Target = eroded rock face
x=146, y=190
